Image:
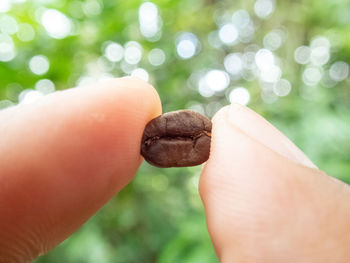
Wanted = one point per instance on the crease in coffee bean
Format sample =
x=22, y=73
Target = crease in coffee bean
x=150, y=140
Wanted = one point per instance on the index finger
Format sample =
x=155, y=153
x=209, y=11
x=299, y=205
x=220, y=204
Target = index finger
x=62, y=158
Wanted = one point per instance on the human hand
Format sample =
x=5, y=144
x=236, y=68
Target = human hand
x=63, y=157
x=265, y=201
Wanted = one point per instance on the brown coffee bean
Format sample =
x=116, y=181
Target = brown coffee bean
x=177, y=139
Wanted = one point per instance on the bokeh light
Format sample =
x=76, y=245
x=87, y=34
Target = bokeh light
x=244, y=24
x=264, y=59
x=56, y=24
x=217, y=80
x=271, y=74
x=233, y=63
x=282, y=87
x=114, y=52
x=187, y=45
x=156, y=57
x=140, y=73
x=39, y=64
x=264, y=8
x=312, y=75
x=320, y=51
x=25, y=32
x=274, y=39
x=241, y=19
x=228, y=34
x=5, y=5
x=204, y=89
x=7, y=48
x=133, y=52
x=302, y=54
x=149, y=20
x=92, y=8
x=8, y=25
x=45, y=86
x=339, y=71
x=239, y=95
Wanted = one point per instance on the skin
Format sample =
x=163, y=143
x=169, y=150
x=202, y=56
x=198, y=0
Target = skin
x=268, y=202
x=63, y=157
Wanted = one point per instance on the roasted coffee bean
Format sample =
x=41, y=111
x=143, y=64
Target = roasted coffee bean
x=177, y=139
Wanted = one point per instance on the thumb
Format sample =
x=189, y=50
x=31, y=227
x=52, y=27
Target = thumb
x=263, y=196
x=63, y=157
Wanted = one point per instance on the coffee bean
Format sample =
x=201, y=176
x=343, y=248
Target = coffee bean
x=177, y=139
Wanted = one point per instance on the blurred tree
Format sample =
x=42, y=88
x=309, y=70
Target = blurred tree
x=288, y=60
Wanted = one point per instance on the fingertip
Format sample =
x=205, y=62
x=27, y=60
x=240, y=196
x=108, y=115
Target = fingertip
x=66, y=155
x=231, y=152
x=236, y=159
x=140, y=93
x=220, y=115
x=228, y=141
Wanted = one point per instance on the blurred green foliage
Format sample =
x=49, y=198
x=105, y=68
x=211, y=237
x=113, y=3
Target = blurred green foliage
x=159, y=216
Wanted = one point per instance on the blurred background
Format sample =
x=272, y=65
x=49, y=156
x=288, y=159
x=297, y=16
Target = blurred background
x=288, y=60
